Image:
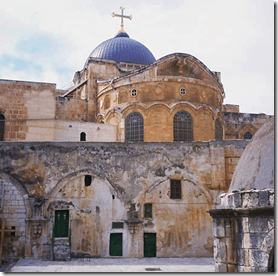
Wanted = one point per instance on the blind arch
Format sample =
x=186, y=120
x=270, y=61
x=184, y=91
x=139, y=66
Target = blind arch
x=218, y=130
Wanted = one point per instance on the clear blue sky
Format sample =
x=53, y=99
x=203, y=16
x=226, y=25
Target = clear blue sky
x=49, y=41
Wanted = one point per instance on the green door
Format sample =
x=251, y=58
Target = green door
x=116, y=244
x=61, y=223
x=149, y=244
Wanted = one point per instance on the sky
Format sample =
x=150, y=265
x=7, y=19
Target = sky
x=48, y=41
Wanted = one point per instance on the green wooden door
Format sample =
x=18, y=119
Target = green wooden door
x=116, y=244
x=149, y=244
x=61, y=223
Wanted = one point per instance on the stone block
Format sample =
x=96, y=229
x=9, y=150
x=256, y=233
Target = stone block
x=271, y=200
x=220, y=267
x=245, y=224
x=237, y=199
x=243, y=257
x=258, y=224
x=218, y=227
x=244, y=269
x=231, y=251
x=258, y=258
x=256, y=240
x=263, y=198
x=220, y=254
x=232, y=268
x=270, y=223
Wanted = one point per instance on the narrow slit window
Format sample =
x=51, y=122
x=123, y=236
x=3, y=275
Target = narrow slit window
x=2, y=127
x=148, y=210
x=82, y=136
x=88, y=180
x=175, y=189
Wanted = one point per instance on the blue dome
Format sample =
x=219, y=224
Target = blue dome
x=121, y=48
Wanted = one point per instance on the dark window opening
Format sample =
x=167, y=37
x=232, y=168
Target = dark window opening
x=247, y=136
x=13, y=233
x=183, y=126
x=113, y=197
x=2, y=127
x=176, y=189
x=148, y=210
x=88, y=180
x=218, y=130
x=82, y=136
x=134, y=128
x=117, y=225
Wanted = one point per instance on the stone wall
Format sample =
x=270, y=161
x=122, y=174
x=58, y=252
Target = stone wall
x=25, y=104
x=243, y=230
x=237, y=124
x=124, y=177
x=14, y=214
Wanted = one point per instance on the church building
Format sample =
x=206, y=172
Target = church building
x=124, y=162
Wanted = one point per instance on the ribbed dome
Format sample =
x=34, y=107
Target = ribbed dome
x=122, y=48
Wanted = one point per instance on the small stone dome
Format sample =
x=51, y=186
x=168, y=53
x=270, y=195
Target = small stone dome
x=122, y=48
x=256, y=165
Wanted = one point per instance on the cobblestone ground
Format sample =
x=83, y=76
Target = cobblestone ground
x=116, y=265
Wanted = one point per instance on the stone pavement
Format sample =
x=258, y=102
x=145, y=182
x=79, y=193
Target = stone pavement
x=116, y=265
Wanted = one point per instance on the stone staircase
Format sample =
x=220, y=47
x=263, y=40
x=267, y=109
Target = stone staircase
x=61, y=249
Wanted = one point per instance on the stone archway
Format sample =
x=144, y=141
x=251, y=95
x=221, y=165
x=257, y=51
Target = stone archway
x=16, y=208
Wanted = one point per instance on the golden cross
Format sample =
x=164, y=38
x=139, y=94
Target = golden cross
x=122, y=18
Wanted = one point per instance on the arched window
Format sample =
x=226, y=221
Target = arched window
x=247, y=135
x=82, y=136
x=134, y=127
x=218, y=130
x=183, y=127
x=2, y=127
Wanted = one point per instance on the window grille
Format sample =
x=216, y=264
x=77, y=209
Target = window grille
x=218, y=130
x=148, y=210
x=183, y=126
x=134, y=127
x=247, y=135
x=2, y=127
x=176, y=189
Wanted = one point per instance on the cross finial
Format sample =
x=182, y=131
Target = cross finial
x=122, y=18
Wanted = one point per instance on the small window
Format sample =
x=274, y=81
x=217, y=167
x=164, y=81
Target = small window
x=248, y=135
x=13, y=233
x=88, y=180
x=182, y=91
x=176, y=189
x=82, y=136
x=148, y=210
x=134, y=93
x=117, y=225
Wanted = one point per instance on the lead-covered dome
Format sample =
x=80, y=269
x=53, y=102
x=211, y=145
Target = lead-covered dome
x=122, y=48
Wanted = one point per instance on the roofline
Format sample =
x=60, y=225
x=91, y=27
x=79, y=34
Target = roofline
x=136, y=71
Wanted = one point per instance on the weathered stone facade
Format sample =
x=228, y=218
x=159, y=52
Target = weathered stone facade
x=243, y=220
x=124, y=177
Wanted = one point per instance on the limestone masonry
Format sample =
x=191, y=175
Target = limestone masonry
x=126, y=161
